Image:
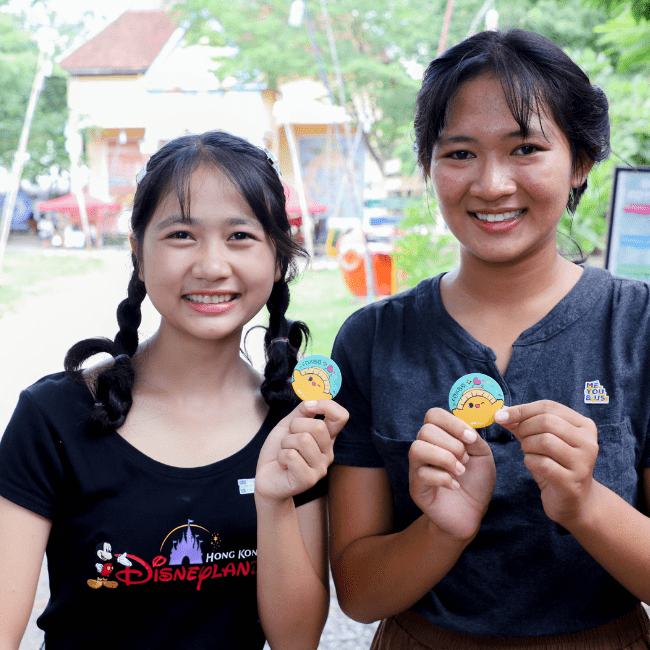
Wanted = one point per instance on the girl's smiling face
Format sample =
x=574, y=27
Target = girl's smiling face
x=207, y=276
x=502, y=195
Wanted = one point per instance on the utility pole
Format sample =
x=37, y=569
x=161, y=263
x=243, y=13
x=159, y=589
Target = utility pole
x=442, y=45
x=43, y=69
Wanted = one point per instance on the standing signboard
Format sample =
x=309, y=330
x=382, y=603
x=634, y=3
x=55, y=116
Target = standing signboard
x=628, y=245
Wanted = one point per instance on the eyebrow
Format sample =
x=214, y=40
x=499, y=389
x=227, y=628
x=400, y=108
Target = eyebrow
x=175, y=219
x=465, y=139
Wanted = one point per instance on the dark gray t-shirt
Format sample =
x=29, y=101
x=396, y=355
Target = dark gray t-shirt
x=522, y=575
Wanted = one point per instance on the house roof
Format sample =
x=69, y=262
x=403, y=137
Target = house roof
x=127, y=46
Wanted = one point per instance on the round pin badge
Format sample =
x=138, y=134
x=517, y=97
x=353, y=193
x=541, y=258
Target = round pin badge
x=316, y=377
x=475, y=398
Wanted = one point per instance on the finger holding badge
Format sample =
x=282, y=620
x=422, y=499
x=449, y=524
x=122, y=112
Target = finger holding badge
x=316, y=377
x=300, y=448
x=475, y=398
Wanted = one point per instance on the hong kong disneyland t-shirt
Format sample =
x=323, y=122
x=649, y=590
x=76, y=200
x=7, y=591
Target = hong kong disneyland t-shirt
x=141, y=554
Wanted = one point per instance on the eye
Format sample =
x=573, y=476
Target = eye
x=525, y=150
x=179, y=234
x=460, y=155
x=241, y=236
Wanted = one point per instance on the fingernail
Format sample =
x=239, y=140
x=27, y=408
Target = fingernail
x=469, y=435
x=502, y=416
x=465, y=458
x=460, y=469
x=311, y=404
x=455, y=484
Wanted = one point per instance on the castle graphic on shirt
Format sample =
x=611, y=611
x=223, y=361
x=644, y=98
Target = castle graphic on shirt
x=189, y=553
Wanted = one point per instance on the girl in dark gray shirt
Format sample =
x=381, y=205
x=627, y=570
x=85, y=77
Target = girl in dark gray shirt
x=531, y=532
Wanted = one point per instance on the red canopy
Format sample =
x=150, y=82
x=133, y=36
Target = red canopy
x=68, y=205
x=293, y=204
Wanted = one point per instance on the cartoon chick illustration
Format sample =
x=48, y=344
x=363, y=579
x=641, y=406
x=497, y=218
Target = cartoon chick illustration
x=311, y=383
x=477, y=407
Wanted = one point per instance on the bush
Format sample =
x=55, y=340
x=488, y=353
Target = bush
x=421, y=252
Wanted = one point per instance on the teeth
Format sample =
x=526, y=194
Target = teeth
x=209, y=299
x=503, y=216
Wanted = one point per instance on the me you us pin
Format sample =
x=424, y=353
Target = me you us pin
x=316, y=377
x=475, y=398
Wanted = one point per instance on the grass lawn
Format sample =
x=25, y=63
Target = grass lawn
x=28, y=274
x=321, y=299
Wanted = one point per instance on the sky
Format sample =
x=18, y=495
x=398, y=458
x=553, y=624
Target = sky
x=95, y=13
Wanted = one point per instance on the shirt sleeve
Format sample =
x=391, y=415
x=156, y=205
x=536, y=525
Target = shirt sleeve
x=31, y=470
x=353, y=354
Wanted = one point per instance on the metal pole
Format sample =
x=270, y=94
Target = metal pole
x=74, y=145
x=308, y=226
x=19, y=157
x=347, y=149
x=445, y=27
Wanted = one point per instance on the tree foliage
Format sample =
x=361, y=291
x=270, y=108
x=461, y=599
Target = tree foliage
x=377, y=45
x=627, y=40
x=640, y=9
x=18, y=60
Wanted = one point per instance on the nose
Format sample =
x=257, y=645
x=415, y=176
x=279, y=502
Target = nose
x=494, y=180
x=211, y=262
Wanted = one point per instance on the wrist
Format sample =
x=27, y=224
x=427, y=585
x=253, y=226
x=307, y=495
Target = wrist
x=272, y=502
x=585, y=516
x=439, y=535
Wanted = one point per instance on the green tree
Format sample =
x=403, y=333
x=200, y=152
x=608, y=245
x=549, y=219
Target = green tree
x=627, y=34
x=376, y=45
x=46, y=146
x=640, y=9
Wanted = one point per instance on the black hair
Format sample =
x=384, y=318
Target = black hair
x=535, y=75
x=252, y=172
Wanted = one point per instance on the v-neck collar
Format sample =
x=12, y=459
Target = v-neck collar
x=579, y=301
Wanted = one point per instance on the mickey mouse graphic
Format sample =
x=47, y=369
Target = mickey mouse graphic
x=105, y=567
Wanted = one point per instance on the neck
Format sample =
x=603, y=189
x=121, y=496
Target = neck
x=509, y=283
x=193, y=366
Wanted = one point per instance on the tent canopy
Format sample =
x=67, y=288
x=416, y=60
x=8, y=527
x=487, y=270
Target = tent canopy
x=293, y=204
x=68, y=205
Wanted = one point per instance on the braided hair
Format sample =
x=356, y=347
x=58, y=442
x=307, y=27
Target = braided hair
x=253, y=173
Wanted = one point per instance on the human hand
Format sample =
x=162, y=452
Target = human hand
x=299, y=450
x=451, y=473
x=560, y=449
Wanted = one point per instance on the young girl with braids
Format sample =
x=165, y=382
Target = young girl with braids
x=531, y=533
x=179, y=497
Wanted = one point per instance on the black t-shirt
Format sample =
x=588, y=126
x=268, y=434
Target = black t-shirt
x=141, y=554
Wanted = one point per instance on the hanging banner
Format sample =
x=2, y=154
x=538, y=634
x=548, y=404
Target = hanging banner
x=628, y=245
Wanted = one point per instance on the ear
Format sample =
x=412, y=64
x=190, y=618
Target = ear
x=582, y=171
x=278, y=274
x=134, y=249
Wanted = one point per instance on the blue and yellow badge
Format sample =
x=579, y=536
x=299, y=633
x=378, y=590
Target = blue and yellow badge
x=316, y=377
x=475, y=398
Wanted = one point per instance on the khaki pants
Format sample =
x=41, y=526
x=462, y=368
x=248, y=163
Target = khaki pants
x=409, y=631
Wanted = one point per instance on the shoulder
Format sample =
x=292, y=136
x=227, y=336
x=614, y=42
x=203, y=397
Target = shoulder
x=58, y=395
x=385, y=315
x=624, y=299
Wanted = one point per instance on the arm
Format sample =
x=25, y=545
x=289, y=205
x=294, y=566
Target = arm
x=292, y=578
x=379, y=573
x=560, y=450
x=23, y=537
